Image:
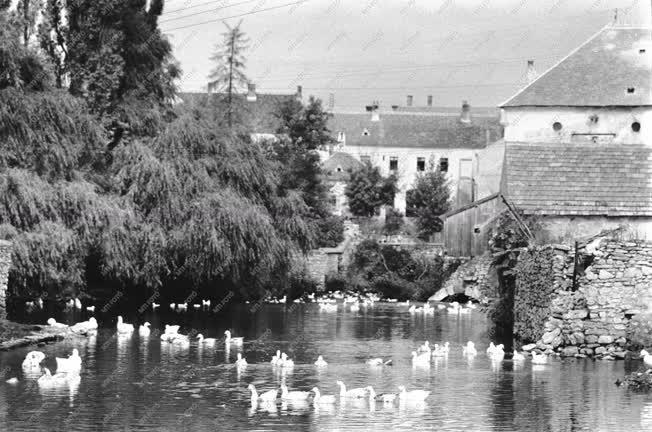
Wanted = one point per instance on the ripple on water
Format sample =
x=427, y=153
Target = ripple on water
x=134, y=384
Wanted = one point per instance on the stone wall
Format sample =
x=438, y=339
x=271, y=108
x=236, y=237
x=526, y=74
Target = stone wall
x=5, y=264
x=471, y=278
x=615, y=286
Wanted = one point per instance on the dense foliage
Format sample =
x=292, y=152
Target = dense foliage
x=507, y=240
x=427, y=200
x=367, y=190
x=397, y=273
x=104, y=185
x=533, y=292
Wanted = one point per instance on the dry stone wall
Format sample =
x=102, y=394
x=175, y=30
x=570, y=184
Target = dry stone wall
x=471, y=278
x=594, y=320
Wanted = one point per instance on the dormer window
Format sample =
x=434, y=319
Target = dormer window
x=556, y=126
x=365, y=132
x=636, y=126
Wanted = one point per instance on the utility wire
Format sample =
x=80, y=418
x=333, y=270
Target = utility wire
x=202, y=12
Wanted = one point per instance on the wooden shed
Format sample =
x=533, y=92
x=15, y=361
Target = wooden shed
x=465, y=228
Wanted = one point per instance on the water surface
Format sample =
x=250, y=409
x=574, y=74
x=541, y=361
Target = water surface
x=130, y=383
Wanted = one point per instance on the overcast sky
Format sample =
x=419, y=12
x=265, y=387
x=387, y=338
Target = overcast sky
x=364, y=50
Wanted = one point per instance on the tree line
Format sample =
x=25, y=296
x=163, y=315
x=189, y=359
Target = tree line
x=107, y=182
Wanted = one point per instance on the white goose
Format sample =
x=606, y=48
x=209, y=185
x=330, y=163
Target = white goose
x=123, y=327
x=294, y=395
x=241, y=362
x=539, y=358
x=356, y=393
x=90, y=308
x=173, y=306
x=276, y=359
x=182, y=307
x=321, y=362
x=469, y=349
x=206, y=303
x=412, y=395
x=47, y=379
x=144, y=329
x=85, y=326
x=285, y=361
x=53, y=323
x=491, y=348
x=33, y=360
x=39, y=302
x=424, y=348
x=171, y=329
x=647, y=358
x=378, y=362
x=232, y=340
x=72, y=364
x=499, y=353
x=155, y=306
x=420, y=359
x=322, y=399
x=386, y=398
x=206, y=341
x=517, y=356
x=267, y=397
x=78, y=304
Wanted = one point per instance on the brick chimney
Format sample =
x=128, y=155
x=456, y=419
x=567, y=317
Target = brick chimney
x=465, y=116
x=374, y=110
x=251, y=92
x=531, y=73
x=409, y=100
x=299, y=94
x=429, y=103
x=331, y=101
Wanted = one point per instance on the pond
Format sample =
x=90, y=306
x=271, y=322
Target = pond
x=133, y=383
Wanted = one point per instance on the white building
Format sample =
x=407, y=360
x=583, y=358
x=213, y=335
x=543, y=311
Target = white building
x=408, y=141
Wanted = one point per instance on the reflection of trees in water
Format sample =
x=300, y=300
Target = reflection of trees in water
x=503, y=403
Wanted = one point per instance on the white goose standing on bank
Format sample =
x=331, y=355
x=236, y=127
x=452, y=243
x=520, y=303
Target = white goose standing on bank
x=356, y=393
x=232, y=340
x=321, y=362
x=53, y=323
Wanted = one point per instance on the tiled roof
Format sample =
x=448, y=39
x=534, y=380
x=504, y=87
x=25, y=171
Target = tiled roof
x=477, y=111
x=344, y=161
x=598, y=73
x=579, y=178
x=259, y=113
x=414, y=130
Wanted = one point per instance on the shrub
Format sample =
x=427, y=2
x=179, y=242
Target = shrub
x=368, y=190
x=393, y=221
x=390, y=286
x=330, y=231
x=335, y=282
x=639, y=333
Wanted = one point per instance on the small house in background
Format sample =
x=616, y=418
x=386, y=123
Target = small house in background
x=577, y=147
x=337, y=172
x=405, y=141
x=258, y=110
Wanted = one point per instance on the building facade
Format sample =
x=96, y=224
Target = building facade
x=406, y=143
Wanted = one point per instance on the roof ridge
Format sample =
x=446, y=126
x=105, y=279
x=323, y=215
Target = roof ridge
x=576, y=49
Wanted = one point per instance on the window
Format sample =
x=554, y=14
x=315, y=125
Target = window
x=636, y=126
x=340, y=137
x=630, y=90
x=556, y=126
x=393, y=163
x=421, y=164
x=365, y=159
x=641, y=51
x=365, y=132
x=443, y=164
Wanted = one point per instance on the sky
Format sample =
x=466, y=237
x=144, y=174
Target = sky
x=383, y=50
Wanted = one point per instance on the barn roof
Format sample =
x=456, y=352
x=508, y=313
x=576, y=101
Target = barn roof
x=612, y=68
x=589, y=179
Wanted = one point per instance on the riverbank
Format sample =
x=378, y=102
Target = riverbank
x=15, y=335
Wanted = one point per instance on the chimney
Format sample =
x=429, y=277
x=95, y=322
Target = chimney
x=375, y=114
x=331, y=101
x=299, y=94
x=531, y=73
x=429, y=100
x=409, y=100
x=251, y=92
x=465, y=116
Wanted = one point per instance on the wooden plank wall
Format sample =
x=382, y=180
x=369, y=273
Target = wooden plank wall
x=460, y=238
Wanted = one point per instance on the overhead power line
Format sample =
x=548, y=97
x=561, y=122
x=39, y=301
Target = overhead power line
x=238, y=15
x=202, y=12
